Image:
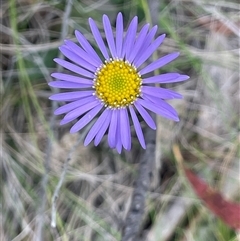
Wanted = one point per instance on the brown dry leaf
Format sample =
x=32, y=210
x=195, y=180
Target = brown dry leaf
x=215, y=25
x=228, y=211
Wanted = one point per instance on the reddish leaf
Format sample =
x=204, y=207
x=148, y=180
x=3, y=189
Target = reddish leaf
x=216, y=25
x=229, y=212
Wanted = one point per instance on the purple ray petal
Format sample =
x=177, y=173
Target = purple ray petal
x=139, y=42
x=97, y=125
x=73, y=105
x=159, y=63
x=86, y=119
x=112, y=129
x=147, y=41
x=125, y=128
x=158, y=110
x=119, y=147
x=160, y=103
x=137, y=127
x=63, y=122
x=131, y=37
x=118, y=137
x=161, y=92
x=166, y=78
x=74, y=68
x=147, y=118
x=67, y=85
x=68, y=119
x=98, y=38
x=180, y=78
x=119, y=34
x=81, y=110
x=131, y=32
x=80, y=52
x=69, y=96
x=87, y=46
x=102, y=131
x=72, y=78
x=162, y=78
x=76, y=59
x=109, y=35
x=149, y=51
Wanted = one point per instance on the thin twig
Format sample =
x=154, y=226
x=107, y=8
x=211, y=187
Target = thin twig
x=63, y=174
x=40, y=217
x=136, y=211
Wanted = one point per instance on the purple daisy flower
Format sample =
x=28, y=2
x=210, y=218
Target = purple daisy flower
x=116, y=87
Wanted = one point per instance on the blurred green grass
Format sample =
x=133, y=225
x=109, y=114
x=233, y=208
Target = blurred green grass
x=97, y=188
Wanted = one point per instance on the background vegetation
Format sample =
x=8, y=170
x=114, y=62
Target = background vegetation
x=96, y=191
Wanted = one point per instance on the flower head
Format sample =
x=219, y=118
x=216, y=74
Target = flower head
x=114, y=85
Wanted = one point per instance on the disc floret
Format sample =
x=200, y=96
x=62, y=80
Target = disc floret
x=117, y=83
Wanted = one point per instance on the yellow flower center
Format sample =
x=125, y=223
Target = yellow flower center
x=117, y=83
